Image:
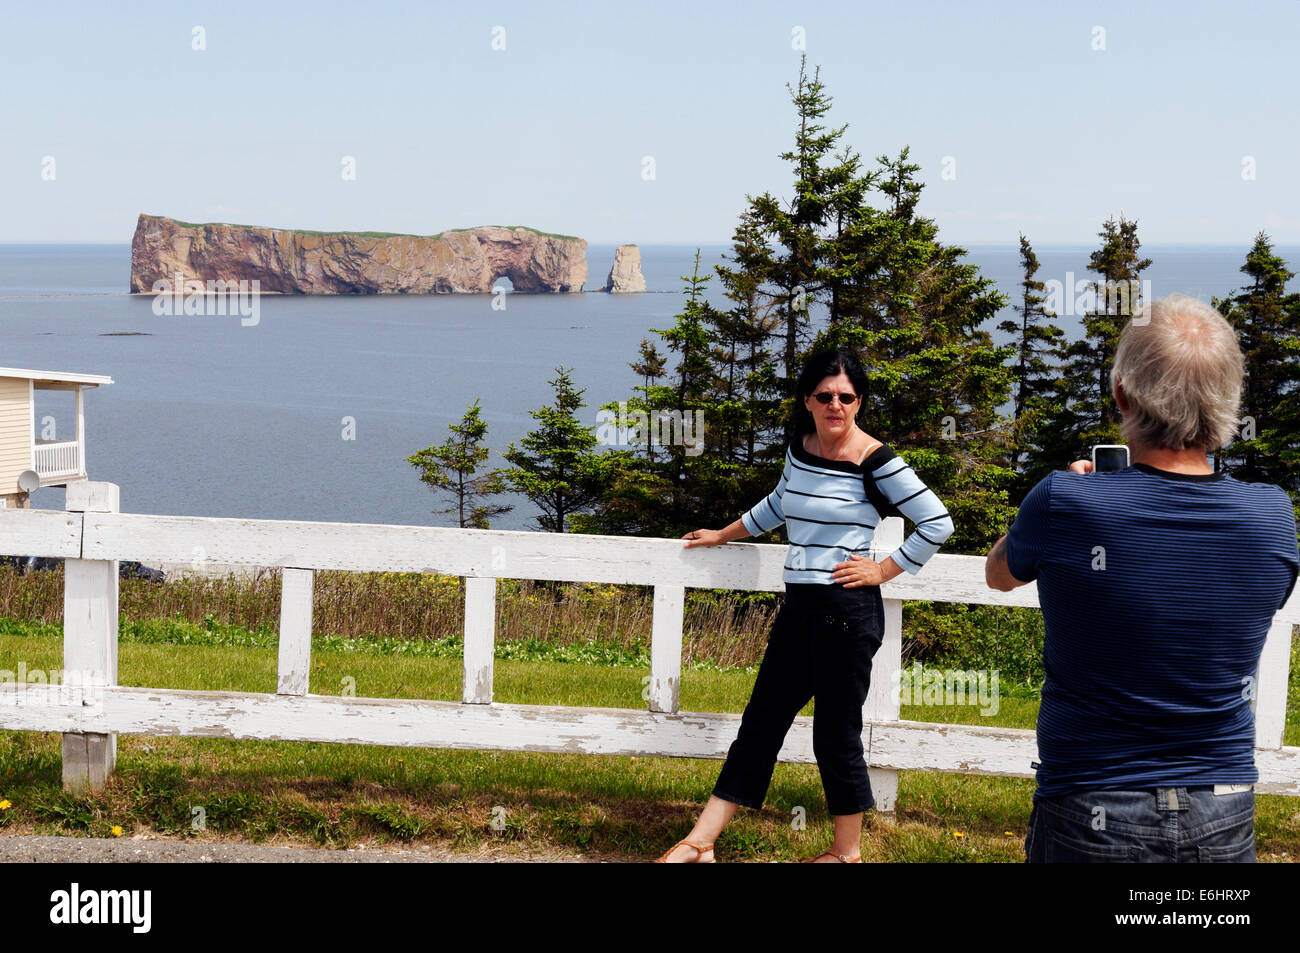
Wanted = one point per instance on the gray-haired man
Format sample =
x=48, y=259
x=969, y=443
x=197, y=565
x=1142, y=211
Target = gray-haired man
x=1158, y=584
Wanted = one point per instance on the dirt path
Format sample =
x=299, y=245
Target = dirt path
x=20, y=848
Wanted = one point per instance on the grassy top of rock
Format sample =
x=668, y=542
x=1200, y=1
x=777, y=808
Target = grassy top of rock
x=306, y=231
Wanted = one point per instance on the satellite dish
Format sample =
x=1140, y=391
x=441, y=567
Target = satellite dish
x=29, y=480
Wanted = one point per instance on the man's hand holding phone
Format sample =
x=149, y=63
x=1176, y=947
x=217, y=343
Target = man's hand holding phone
x=1106, y=458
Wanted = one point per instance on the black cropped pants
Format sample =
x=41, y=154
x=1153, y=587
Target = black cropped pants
x=820, y=647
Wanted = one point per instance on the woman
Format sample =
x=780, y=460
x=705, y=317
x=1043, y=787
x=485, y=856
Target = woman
x=831, y=621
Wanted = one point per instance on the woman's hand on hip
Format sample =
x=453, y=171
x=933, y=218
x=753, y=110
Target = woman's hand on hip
x=858, y=571
x=703, y=537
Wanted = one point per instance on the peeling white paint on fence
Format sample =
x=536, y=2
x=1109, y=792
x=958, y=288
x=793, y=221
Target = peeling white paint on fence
x=92, y=537
x=295, y=631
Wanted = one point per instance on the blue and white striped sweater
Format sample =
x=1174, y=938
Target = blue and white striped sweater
x=827, y=515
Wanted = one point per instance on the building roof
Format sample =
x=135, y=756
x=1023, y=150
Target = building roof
x=55, y=377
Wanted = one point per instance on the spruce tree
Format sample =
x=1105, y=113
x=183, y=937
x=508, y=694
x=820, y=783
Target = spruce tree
x=649, y=368
x=911, y=306
x=1036, y=339
x=798, y=271
x=750, y=400
x=724, y=387
x=555, y=466
x=634, y=494
x=1267, y=322
x=452, y=467
x=914, y=312
x=661, y=495
x=1084, y=411
x=1119, y=266
x=687, y=400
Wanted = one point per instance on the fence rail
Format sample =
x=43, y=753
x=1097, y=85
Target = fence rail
x=92, y=536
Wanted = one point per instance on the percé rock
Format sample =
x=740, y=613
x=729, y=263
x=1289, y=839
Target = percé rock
x=464, y=260
x=625, y=276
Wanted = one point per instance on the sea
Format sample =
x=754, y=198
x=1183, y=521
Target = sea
x=310, y=411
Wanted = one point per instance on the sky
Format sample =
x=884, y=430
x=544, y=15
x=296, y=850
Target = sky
x=643, y=122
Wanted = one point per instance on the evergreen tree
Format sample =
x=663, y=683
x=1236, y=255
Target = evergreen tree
x=555, y=466
x=849, y=195
x=658, y=496
x=748, y=415
x=801, y=265
x=634, y=495
x=1035, y=340
x=1267, y=322
x=914, y=312
x=452, y=467
x=688, y=400
x=911, y=306
x=1085, y=413
x=714, y=413
x=1118, y=264
x=650, y=368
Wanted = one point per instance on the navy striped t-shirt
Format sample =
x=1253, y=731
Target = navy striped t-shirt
x=1157, y=591
x=827, y=515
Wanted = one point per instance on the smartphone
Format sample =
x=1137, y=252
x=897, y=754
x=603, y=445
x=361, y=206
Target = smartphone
x=1109, y=456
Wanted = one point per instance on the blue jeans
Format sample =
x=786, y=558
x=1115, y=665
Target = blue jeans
x=1158, y=825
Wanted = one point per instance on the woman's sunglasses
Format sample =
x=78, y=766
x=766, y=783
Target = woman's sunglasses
x=824, y=397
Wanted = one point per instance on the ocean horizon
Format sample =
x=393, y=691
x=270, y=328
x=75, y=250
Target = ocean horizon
x=208, y=417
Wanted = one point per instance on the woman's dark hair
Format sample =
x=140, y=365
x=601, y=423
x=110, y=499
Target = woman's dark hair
x=819, y=366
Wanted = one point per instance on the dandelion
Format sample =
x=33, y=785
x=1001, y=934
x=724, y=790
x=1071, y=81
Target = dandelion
x=117, y=831
x=5, y=805
x=958, y=834
x=1009, y=833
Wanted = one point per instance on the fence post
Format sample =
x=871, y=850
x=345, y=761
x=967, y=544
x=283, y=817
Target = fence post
x=1271, y=686
x=295, y=631
x=90, y=640
x=666, y=648
x=882, y=700
x=480, y=639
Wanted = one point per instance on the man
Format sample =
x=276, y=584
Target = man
x=1157, y=583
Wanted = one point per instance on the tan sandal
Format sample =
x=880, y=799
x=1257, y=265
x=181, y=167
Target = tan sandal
x=842, y=858
x=699, y=848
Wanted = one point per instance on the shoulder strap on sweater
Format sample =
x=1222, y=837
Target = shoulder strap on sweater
x=878, y=458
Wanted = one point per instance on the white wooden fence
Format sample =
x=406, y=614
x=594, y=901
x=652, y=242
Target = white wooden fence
x=92, y=536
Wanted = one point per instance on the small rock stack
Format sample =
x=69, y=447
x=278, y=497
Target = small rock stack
x=625, y=277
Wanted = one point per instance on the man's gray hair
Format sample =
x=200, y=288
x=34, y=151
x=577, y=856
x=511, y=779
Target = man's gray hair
x=1181, y=369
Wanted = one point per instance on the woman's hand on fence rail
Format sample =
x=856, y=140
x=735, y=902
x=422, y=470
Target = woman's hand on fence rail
x=703, y=537
x=716, y=537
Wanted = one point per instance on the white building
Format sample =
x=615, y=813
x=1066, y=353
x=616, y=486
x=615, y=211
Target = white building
x=51, y=462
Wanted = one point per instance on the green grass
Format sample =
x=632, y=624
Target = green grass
x=525, y=227
x=617, y=808
x=305, y=231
